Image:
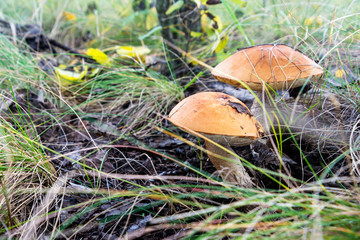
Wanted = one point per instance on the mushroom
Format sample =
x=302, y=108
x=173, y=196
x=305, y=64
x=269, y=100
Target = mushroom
x=224, y=120
x=267, y=68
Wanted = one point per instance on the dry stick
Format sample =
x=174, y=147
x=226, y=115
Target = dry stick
x=78, y=189
x=147, y=177
x=53, y=43
x=70, y=50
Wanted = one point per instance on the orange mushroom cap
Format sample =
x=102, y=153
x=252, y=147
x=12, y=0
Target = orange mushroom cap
x=278, y=66
x=215, y=113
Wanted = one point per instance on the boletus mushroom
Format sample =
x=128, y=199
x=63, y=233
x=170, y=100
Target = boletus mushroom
x=225, y=120
x=267, y=67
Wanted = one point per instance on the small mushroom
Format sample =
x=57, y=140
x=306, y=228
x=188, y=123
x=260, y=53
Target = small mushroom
x=225, y=120
x=267, y=67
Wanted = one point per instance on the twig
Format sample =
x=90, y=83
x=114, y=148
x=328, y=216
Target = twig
x=145, y=177
x=30, y=31
x=70, y=50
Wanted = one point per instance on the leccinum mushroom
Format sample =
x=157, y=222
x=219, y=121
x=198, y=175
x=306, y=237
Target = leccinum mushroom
x=276, y=67
x=225, y=120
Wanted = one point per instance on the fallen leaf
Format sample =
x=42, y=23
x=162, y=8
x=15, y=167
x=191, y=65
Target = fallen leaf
x=221, y=44
x=132, y=52
x=340, y=73
x=308, y=21
x=68, y=77
x=240, y=3
x=69, y=16
x=319, y=21
x=99, y=56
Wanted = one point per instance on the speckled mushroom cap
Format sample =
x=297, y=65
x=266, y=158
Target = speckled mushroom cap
x=279, y=66
x=219, y=116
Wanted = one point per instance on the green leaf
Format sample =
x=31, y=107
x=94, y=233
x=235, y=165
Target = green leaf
x=152, y=31
x=174, y=7
x=241, y=3
x=193, y=80
x=195, y=34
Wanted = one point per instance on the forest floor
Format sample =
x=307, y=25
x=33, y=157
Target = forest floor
x=96, y=158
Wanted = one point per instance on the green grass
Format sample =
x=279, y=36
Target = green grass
x=132, y=97
x=25, y=168
x=127, y=99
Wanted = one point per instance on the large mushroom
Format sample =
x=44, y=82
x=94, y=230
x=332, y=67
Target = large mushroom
x=225, y=120
x=266, y=69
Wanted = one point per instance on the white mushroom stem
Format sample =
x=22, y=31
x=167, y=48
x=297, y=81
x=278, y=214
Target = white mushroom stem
x=231, y=171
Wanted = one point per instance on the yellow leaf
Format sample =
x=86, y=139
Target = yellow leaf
x=69, y=16
x=99, y=56
x=62, y=66
x=308, y=21
x=67, y=77
x=210, y=23
x=222, y=44
x=239, y=3
x=133, y=52
x=340, y=73
x=206, y=26
x=151, y=20
x=193, y=62
x=92, y=72
x=319, y=20
x=91, y=16
x=195, y=34
x=108, y=28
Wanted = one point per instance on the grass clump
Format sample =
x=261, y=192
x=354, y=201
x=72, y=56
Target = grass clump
x=25, y=168
x=129, y=99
